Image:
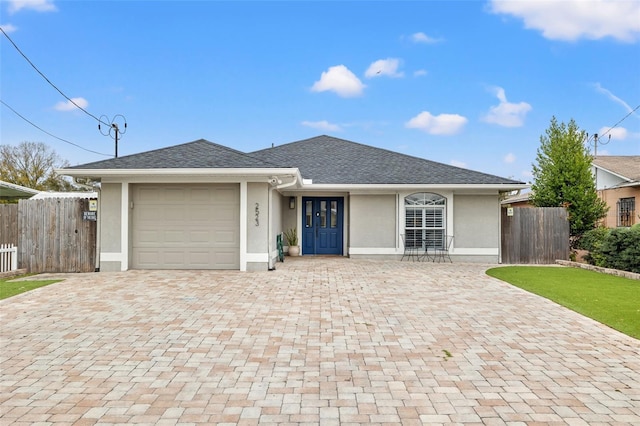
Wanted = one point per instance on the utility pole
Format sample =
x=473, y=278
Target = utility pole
x=595, y=143
x=113, y=129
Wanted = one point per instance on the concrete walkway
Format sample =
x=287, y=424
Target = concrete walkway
x=318, y=341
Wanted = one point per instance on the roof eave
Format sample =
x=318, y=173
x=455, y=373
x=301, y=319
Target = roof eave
x=180, y=172
x=403, y=187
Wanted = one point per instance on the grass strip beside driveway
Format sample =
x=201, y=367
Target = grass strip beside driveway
x=609, y=299
x=9, y=287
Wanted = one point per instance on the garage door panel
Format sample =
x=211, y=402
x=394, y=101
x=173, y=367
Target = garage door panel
x=201, y=236
x=174, y=195
x=201, y=213
x=225, y=237
x=227, y=193
x=172, y=259
x=147, y=236
x=174, y=237
x=172, y=213
x=201, y=195
x=190, y=226
x=148, y=195
x=199, y=259
x=186, y=259
x=226, y=258
x=146, y=258
x=146, y=213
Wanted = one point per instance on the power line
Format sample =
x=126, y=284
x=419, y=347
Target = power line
x=621, y=120
x=593, y=139
x=49, y=81
x=50, y=134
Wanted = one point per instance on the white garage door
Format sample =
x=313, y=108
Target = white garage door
x=186, y=226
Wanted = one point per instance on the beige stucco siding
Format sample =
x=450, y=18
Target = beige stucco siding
x=611, y=197
x=110, y=218
x=476, y=221
x=372, y=221
x=110, y=207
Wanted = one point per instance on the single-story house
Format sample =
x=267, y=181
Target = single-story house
x=201, y=205
x=618, y=184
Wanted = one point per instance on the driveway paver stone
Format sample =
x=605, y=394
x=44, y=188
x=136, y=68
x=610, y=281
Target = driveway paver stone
x=317, y=341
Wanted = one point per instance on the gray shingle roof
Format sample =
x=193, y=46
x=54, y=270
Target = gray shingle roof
x=197, y=154
x=324, y=159
x=331, y=160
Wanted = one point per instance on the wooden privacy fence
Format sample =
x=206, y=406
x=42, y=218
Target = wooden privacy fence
x=54, y=235
x=536, y=235
x=9, y=224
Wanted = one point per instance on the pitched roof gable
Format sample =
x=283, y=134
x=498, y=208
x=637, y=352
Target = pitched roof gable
x=196, y=154
x=627, y=166
x=330, y=160
x=323, y=159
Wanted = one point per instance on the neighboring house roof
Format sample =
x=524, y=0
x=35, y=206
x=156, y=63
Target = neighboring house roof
x=322, y=159
x=11, y=190
x=46, y=194
x=192, y=155
x=518, y=198
x=626, y=167
x=329, y=160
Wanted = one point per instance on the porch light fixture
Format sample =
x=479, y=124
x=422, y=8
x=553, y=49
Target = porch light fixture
x=292, y=203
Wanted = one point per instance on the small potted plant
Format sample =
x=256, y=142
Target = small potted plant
x=291, y=235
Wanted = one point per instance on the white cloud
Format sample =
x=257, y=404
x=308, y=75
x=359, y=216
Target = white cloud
x=443, y=124
x=572, y=20
x=68, y=106
x=37, y=5
x=322, y=125
x=613, y=97
x=457, y=163
x=617, y=133
x=341, y=80
x=8, y=28
x=506, y=114
x=384, y=67
x=423, y=38
x=527, y=173
x=420, y=73
x=509, y=158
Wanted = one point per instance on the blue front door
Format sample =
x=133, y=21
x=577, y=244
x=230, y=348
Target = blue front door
x=322, y=219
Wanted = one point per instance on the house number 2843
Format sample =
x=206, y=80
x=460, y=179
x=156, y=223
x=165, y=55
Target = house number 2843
x=257, y=214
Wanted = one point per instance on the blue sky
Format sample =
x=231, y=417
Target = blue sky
x=468, y=83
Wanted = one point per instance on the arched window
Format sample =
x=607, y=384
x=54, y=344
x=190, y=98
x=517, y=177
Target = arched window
x=425, y=219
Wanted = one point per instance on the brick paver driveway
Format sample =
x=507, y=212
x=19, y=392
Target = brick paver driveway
x=323, y=340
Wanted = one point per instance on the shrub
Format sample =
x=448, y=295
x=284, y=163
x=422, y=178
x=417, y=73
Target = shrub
x=621, y=249
x=617, y=248
x=592, y=241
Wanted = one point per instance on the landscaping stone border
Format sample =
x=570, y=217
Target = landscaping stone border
x=10, y=274
x=625, y=274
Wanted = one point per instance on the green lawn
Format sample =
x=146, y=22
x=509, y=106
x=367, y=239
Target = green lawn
x=10, y=288
x=611, y=300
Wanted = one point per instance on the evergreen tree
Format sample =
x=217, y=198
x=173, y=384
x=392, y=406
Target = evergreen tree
x=563, y=177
